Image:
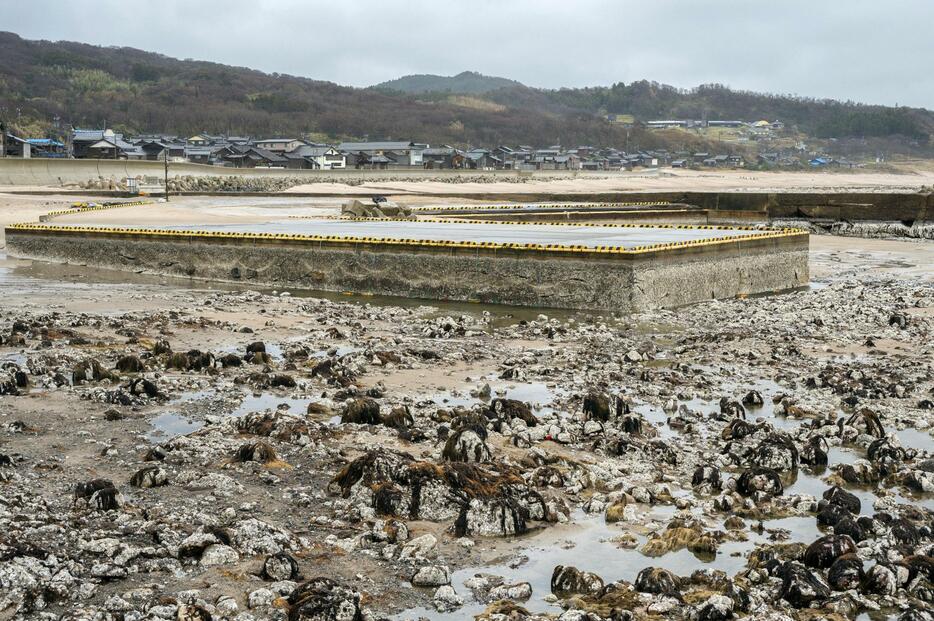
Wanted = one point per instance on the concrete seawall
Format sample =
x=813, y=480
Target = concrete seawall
x=574, y=278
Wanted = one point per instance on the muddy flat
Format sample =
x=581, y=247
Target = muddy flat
x=171, y=447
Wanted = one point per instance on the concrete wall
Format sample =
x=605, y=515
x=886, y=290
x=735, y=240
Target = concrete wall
x=608, y=282
x=749, y=206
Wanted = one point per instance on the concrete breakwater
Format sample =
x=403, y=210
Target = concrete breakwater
x=574, y=277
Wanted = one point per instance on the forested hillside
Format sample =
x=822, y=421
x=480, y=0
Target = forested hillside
x=465, y=83
x=137, y=91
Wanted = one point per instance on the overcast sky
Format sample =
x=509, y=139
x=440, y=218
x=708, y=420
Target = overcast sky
x=865, y=50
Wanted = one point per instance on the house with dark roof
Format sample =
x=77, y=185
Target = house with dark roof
x=240, y=156
x=401, y=154
x=443, y=157
x=279, y=145
x=103, y=144
x=46, y=147
x=315, y=157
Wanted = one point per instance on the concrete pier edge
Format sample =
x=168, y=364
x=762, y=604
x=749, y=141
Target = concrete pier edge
x=573, y=277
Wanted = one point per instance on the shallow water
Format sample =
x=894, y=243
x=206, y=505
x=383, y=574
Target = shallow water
x=539, y=395
x=266, y=401
x=587, y=544
x=170, y=424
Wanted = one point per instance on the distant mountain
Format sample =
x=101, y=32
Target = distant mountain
x=464, y=83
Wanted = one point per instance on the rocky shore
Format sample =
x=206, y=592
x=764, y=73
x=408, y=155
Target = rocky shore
x=245, y=455
x=279, y=183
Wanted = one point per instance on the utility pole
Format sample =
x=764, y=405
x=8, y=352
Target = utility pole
x=165, y=156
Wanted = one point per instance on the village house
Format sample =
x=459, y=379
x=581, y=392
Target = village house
x=315, y=157
x=396, y=154
x=240, y=156
x=279, y=145
x=443, y=158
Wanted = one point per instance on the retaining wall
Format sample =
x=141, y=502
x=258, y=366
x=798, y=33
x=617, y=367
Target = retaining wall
x=568, y=277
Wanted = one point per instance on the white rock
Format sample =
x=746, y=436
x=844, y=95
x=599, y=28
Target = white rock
x=420, y=547
x=446, y=599
x=219, y=554
x=431, y=575
x=519, y=591
x=260, y=598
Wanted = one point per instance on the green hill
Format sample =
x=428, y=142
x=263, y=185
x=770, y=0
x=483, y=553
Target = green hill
x=464, y=83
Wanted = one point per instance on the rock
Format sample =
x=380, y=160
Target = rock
x=280, y=566
x=150, y=476
x=363, y=411
x=824, y=551
x=466, y=444
x=113, y=415
x=846, y=573
x=881, y=579
x=760, y=481
x=800, y=586
x=261, y=598
x=520, y=591
x=446, y=599
x=431, y=576
x=99, y=494
x=420, y=547
x=707, y=477
x=838, y=496
x=218, y=554
x=657, y=581
x=597, y=406
x=776, y=452
x=716, y=608
x=731, y=408
x=226, y=605
x=568, y=580
x=91, y=370
x=260, y=452
x=506, y=410
x=815, y=451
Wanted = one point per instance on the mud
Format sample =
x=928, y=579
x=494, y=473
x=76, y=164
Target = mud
x=267, y=531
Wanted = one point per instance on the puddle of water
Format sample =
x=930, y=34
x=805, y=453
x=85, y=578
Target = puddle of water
x=168, y=425
x=265, y=401
x=801, y=529
x=273, y=349
x=913, y=438
x=339, y=352
x=16, y=358
x=658, y=417
x=809, y=483
x=538, y=394
x=590, y=547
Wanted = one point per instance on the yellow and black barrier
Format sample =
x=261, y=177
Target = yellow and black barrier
x=85, y=208
x=528, y=206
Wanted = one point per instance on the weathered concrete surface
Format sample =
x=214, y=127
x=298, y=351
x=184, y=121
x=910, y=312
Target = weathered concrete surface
x=745, y=206
x=524, y=278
